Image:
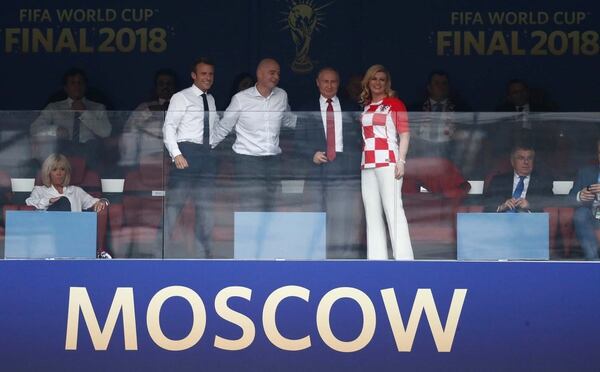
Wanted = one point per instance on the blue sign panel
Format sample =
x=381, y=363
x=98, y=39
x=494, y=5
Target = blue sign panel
x=502, y=236
x=299, y=316
x=41, y=234
x=274, y=235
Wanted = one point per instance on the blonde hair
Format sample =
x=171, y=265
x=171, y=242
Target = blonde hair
x=52, y=162
x=365, y=95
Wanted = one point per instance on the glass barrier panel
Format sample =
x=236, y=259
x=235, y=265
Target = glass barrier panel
x=274, y=185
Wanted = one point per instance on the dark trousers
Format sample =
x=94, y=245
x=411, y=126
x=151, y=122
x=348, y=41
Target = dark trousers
x=335, y=186
x=585, y=229
x=195, y=183
x=257, y=180
x=61, y=205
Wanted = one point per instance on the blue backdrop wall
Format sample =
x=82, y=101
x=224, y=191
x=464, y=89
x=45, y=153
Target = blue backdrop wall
x=554, y=45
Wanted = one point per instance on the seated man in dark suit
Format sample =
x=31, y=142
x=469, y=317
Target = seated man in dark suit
x=523, y=189
x=524, y=124
x=586, y=192
x=328, y=142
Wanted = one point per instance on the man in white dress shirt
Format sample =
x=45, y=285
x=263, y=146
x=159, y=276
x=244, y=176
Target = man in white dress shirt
x=189, y=121
x=257, y=114
x=73, y=126
x=142, y=134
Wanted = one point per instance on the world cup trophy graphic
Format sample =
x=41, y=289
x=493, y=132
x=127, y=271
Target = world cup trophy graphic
x=303, y=19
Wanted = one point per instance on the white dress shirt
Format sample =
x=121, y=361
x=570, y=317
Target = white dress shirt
x=525, y=183
x=257, y=121
x=94, y=121
x=142, y=134
x=443, y=103
x=436, y=126
x=524, y=115
x=80, y=200
x=184, y=121
x=337, y=117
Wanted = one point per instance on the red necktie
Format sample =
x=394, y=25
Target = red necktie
x=330, y=131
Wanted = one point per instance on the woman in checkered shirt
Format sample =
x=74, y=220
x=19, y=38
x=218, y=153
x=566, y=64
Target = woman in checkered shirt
x=386, y=136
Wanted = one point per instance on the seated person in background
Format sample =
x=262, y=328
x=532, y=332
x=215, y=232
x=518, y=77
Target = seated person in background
x=75, y=123
x=523, y=126
x=433, y=134
x=586, y=192
x=523, y=189
x=142, y=134
x=165, y=85
x=438, y=134
x=518, y=99
x=241, y=82
x=56, y=194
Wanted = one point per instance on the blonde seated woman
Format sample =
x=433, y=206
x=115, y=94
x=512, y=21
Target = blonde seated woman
x=57, y=195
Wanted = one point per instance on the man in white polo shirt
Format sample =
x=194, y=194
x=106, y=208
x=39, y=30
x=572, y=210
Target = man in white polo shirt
x=257, y=115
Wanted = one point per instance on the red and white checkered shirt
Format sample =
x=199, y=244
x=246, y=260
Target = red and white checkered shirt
x=381, y=123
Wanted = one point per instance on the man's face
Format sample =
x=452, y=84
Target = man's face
x=328, y=83
x=204, y=76
x=165, y=86
x=438, y=87
x=522, y=162
x=518, y=94
x=75, y=87
x=267, y=74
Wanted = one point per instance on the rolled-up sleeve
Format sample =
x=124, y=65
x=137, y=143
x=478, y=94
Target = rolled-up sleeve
x=39, y=198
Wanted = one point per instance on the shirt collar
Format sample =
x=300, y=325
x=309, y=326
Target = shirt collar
x=254, y=91
x=433, y=102
x=517, y=176
x=71, y=100
x=197, y=91
x=323, y=100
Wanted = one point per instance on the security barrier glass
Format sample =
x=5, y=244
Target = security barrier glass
x=298, y=185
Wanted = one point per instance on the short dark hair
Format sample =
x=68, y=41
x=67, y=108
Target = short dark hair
x=165, y=72
x=202, y=60
x=74, y=71
x=524, y=145
x=327, y=68
x=436, y=72
x=517, y=81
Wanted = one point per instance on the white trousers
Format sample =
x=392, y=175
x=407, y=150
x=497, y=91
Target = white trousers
x=381, y=195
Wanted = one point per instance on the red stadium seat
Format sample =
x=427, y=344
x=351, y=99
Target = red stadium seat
x=136, y=223
x=432, y=216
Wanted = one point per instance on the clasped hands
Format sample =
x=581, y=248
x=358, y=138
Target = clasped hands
x=513, y=203
x=589, y=192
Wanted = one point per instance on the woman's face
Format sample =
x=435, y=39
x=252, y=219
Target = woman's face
x=57, y=175
x=377, y=84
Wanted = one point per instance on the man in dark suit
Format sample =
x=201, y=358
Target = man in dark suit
x=328, y=142
x=586, y=193
x=523, y=189
x=524, y=124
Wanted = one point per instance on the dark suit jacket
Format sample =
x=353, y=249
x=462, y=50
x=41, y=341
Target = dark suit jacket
x=533, y=107
x=539, y=192
x=585, y=176
x=310, y=138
